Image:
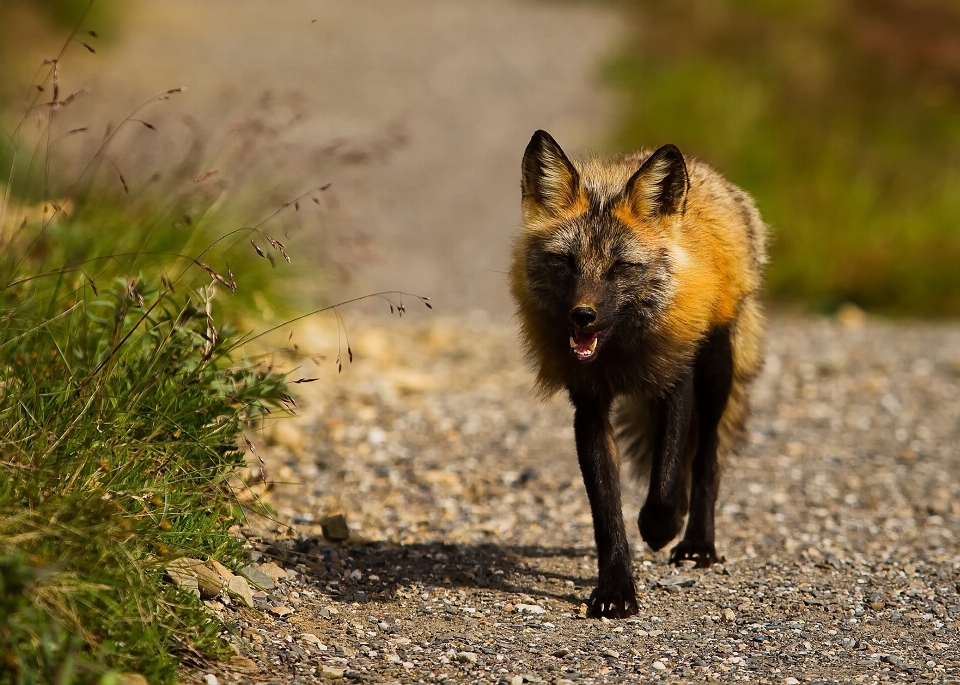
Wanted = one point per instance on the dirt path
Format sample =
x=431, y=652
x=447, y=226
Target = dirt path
x=839, y=523
x=417, y=111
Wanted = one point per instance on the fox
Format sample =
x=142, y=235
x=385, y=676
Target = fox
x=637, y=281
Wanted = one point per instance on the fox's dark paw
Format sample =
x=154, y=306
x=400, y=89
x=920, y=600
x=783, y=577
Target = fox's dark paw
x=613, y=600
x=659, y=524
x=703, y=553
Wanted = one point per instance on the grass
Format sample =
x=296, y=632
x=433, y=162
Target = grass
x=839, y=117
x=120, y=425
x=124, y=397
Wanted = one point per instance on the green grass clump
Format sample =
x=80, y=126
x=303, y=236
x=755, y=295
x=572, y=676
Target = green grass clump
x=123, y=401
x=839, y=117
x=120, y=416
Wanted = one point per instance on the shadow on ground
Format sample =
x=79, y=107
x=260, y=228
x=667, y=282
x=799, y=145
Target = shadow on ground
x=385, y=571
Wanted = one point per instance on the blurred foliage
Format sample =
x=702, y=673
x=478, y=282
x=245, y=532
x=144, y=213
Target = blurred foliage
x=31, y=30
x=66, y=13
x=841, y=117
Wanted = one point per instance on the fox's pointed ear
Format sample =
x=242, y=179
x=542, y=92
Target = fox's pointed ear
x=660, y=186
x=549, y=180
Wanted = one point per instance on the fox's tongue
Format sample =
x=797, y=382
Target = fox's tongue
x=583, y=345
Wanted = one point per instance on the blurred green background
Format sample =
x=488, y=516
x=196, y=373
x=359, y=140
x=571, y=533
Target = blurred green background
x=841, y=117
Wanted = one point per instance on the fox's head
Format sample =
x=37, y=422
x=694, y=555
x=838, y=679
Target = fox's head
x=596, y=254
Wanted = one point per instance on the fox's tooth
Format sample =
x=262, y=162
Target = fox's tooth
x=573, y=343
x=593, y=345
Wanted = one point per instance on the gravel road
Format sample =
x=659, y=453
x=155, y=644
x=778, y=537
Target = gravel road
x=471, y=546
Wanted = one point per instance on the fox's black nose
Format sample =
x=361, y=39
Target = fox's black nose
x=583, y=316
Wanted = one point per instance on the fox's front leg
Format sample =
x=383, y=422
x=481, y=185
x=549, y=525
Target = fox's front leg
x=713, y=379
x=615, y=596
x=661, y=517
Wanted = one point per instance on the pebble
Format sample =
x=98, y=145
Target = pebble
x=530, y=609
x=330, y=672
x=240, y=588
x=243, y=664
x=273, y=571
x=677, y=581
x=334, y=528
x=280, y=610
x=258, y=577
x=132, y=679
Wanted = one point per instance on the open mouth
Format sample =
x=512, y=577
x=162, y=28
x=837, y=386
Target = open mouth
x=584, y=345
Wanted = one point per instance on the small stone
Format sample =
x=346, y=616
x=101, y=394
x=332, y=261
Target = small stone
x=516, y=680
x=281, y=610
x=210, y=679
x=467, y=657
x=258, y=577
x=335, y=528
x=132, y=679
x=560, y=653
x=209, y=582
x=530, y=609
x=612, y=653
x=360, y=596
x=877, y=606
x=791, y=681
x=329, y=672
x=287, y=434
x=311, y=638
x=220, y=570
x=275, y=572
x=729, y=616
x=677, y=581
x=659, y=666
x=183, y=573
x=242, y=664
x=240, y=588
x=582, y=611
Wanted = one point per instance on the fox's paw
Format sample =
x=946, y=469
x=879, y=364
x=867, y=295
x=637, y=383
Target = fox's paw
x=703, y=553
x=613, y=600
x=659, y=524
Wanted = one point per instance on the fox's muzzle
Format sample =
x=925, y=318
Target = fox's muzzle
x=583, y=315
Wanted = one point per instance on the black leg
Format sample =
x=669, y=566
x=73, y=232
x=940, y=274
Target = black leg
x=615, y=596
x=713, y=376
x=661, y=517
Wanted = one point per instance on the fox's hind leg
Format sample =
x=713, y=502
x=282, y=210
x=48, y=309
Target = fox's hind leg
x=712, y=380
x=661, y=517
x=615, y=596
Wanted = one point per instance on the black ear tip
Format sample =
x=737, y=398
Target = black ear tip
x=541, y=137
x=669, y=150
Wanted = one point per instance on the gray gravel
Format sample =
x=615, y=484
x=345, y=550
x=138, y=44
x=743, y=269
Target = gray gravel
x=471, y=546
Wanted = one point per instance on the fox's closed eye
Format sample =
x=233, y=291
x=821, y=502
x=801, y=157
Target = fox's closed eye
x=627, y=267
x=561, y=259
